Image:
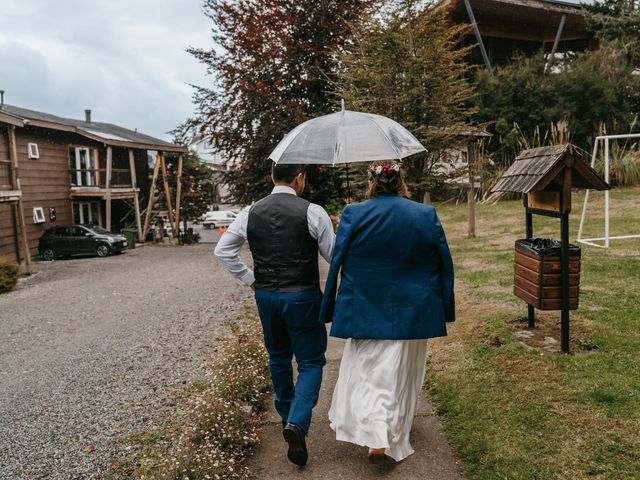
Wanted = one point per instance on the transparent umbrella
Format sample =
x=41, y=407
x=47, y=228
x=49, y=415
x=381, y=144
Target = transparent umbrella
x=346, y=137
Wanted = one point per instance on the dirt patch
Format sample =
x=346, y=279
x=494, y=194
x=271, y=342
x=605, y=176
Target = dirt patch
x=546, y=334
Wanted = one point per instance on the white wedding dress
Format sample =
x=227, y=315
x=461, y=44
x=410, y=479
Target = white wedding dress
x=375, y=397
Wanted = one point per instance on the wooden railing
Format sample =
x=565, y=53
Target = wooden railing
x=96, y=177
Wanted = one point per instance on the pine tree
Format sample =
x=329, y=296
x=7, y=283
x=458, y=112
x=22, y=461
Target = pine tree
x=406, y=65
x=272, y=70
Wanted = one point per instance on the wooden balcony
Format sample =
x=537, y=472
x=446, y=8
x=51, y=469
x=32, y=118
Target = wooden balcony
x=9, y=195
x=7, y=192
x=93, y=183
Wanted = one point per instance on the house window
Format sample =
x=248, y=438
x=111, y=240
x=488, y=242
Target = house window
x=33, y=150
x=38, y=215
x=86, y=213
x=83, y=165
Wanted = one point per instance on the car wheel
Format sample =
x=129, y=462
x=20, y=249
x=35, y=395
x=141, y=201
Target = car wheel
x=49, y=254
x=102, y=250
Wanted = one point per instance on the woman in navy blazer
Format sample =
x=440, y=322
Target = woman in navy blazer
x=396, y=290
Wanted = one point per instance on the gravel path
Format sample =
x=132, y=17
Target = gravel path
x=92, y=349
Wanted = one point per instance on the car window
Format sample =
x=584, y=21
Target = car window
x=78, y=231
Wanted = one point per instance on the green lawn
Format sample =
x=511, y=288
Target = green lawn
x=516, y=411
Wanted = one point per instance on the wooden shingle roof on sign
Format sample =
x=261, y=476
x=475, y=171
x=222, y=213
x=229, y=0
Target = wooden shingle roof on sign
x=539, y=168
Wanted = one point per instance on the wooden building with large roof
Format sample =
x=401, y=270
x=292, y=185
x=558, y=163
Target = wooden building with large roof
x=56, y=171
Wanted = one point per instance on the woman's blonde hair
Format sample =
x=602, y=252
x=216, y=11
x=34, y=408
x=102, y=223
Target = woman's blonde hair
x=386, y=181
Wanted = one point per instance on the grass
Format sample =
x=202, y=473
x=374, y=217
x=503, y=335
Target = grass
x=215, y=424
x=517, y=411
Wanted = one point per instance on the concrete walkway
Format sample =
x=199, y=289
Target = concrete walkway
x=330, y=459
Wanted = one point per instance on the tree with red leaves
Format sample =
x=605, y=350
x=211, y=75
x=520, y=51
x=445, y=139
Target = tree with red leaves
x=273, y=66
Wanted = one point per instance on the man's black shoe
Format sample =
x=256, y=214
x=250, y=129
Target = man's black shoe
x=294, y=436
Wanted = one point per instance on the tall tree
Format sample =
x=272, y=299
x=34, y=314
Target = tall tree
x=406, y=65
x=616, y=22
x=272, y=68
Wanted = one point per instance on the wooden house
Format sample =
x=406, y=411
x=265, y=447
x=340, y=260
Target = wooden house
x=503, y=28
x=56, y=170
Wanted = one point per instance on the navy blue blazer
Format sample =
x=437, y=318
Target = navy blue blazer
x=397, y=273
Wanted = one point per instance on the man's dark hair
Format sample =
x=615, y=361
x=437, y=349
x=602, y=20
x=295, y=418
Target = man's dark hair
x=286, y=172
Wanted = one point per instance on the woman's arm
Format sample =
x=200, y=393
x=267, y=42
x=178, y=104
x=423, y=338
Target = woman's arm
x=446, y=273
x=343, y=237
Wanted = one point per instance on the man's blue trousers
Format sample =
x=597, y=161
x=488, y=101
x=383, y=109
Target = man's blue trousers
x=291, y=325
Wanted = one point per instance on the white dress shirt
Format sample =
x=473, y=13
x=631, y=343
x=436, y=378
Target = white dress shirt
x=229, y=246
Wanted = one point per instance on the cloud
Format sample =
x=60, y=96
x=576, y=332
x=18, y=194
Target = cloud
x=125, y=60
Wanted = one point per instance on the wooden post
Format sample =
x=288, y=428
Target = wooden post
x=107, y=194
x=100, y=222
x=152, y=194
x=15, y=185
x=471, y=200
x=134, y=185
x=564, y=260
x=97, y=166
x=178, y=194
x=471, y=194
x=556, y=41
x=167, y=195
x=528, y=221
x=476, y=31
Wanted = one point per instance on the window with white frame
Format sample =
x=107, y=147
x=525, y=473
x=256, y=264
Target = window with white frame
x=33, y=151
x=86, y=213
x=38, y=215
x=83, y=165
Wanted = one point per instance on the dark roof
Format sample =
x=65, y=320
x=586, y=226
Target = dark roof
x=535, y=168
x=532, y=20
x=6, y=117
x=103, y=132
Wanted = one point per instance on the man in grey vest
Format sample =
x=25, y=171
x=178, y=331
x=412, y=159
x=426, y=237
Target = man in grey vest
x=285, y=234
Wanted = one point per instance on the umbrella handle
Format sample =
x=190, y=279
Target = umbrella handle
x=348, y=184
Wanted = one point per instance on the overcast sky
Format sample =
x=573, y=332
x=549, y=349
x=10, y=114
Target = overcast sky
x=124, y=59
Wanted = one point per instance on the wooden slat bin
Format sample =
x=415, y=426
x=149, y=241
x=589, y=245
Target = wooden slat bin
x=538, y=279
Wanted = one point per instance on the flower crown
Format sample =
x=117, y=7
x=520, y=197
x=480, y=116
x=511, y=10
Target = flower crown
x=379, y=169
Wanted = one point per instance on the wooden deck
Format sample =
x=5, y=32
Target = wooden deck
x=10, y=195
x=99, y=192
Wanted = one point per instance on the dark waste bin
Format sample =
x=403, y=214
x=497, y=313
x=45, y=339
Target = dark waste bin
x=132, y=235
x=538, y=273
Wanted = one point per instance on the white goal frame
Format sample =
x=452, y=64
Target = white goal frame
x=607, y=237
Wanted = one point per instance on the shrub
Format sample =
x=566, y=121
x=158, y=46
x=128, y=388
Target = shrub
x=626, y=170
x=594, y=92
x=218, y=424
x=8, y=275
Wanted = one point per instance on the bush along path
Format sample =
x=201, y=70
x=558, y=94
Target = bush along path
x=8, y=275
x=216, y=422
